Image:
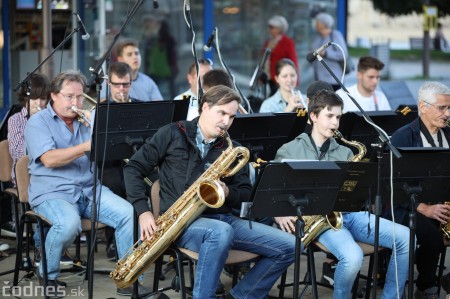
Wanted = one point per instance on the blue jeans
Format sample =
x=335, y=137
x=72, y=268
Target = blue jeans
x=212, y=236
x=65, y=217
x=342, y=245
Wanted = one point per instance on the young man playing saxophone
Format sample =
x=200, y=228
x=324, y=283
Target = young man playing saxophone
x=325, y=110
x=428, y=130
x=183, y=151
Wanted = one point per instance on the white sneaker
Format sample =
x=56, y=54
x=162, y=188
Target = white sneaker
x=4, y=246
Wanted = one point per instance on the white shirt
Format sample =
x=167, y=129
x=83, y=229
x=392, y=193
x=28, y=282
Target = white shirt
x=193, y=105
x=367, y=103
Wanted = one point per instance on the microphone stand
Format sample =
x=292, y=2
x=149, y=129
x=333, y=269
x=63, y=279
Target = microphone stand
x=384, y=141
x=225, y=66
x=97, y=78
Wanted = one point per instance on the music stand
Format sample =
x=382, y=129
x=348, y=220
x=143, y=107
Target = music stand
x=264, y=133
x=357, y=189
x=428, y=181
x=353, y=126
x=4, y=125
x=296, y=189
x=129, y=124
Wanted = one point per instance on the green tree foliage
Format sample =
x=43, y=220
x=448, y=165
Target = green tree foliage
x=406, y=7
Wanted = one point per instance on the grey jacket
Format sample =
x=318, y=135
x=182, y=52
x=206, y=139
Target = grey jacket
x=302, y=148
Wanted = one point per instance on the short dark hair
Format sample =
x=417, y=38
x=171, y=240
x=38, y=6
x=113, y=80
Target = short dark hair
x=324, y=99
x=201, y=61
x=218, y=95
x=216, y=77
x=283, y=62
x=67, y=76
x=367, y=62
x=40, y=89
x=123, y=44
x=120, y=69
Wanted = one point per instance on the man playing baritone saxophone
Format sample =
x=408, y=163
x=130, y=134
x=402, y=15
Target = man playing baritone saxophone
x=61, y=183
x=325, y=110
x=183, y=151
x=428, y=130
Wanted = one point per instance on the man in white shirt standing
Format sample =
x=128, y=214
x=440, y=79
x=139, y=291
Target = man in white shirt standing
x=365, y=92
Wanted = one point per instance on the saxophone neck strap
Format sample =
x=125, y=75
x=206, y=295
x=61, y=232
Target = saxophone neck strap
x=323, y=149
x=426, y=133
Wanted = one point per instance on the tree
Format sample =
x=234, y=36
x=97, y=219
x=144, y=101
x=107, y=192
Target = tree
x=395, y=8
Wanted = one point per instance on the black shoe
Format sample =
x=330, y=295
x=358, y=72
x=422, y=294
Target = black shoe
x=129, y=291
x=220, y=288
x=55, y=288
x=445, y=283
x=111, y=252
x=9, y=229
x=328, y=273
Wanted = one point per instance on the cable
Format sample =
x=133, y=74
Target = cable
x=345, y=60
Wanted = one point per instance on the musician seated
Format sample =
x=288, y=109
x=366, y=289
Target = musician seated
x=365, y=92
x=428, y=130
x=286, y=98
x=205, y=65
x=325, y=110
x=119, y=82
x=183, y=151
x=61, y=183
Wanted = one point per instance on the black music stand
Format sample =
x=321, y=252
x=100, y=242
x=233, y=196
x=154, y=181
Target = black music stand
x=264, y=133
x=296, y=189
x=427, y=181
x=353, y=126
x=123, y=128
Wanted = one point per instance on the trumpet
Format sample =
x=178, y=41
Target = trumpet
x=296, y=92
x=81, y=116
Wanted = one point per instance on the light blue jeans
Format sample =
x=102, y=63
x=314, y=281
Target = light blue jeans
x=342, y=245
x=213, y=236
x=65, y=217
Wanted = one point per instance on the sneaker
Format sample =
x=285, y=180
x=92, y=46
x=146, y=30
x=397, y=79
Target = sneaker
x=430, y=293
x=328, y=273
x=3, y=246
x=66, y=259
x=445, y=283
x=111, y=252
x=9, y=229
x=129, y=291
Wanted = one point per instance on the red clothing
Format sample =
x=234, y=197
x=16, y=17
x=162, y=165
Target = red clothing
x=285, y=48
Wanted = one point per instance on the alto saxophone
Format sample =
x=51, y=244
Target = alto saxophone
x=317, y=224
x=204, y=192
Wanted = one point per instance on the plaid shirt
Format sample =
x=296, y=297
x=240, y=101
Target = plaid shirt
x=16, y=139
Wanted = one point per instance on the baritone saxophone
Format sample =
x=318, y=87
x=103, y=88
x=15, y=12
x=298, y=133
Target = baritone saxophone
x=204, y=192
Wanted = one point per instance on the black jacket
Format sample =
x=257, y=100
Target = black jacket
x=174, y=151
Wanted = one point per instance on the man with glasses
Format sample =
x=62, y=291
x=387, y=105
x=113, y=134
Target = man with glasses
x=61, y=182
x=428, y=130
x=205, y=65
x=119, y=82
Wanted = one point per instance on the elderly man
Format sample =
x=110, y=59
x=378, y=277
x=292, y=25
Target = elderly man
x=61, y=183
x=428, y=130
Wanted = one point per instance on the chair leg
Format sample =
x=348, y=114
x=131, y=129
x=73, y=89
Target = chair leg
x=369, y=278
x=282, y=284
x=180, y=273
x=158, y=270
x=441, y=268
x=312, y=272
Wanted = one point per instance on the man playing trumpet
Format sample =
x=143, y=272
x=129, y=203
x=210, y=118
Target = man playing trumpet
x=428, y=130
x=61, y=183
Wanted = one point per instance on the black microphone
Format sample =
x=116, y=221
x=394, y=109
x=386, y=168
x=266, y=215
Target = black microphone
x=155, y=4
x=84, y=34
x=313, y=55
x=207, y=47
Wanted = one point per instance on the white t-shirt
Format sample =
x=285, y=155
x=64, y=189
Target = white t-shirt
x=367, y=103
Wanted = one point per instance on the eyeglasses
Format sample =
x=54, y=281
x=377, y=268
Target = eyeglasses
x=442, y=109
x=70, y=97
x=118, y=84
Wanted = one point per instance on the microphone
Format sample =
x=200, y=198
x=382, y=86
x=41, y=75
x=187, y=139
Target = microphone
x=313, y=55
x=155, y=4
x=84, y=34
x=210, y=41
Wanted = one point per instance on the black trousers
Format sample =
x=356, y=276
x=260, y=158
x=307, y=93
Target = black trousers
x=430, y=245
